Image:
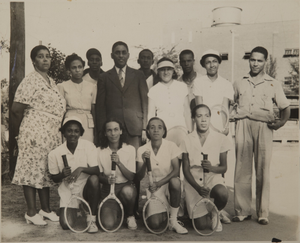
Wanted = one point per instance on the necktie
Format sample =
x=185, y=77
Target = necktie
x=122, y=81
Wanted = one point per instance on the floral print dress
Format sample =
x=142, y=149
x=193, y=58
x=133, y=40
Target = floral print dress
x=39, y=129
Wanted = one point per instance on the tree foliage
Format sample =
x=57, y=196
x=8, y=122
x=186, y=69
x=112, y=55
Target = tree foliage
x=57, y=70
x=163, y=52
x=271, y=67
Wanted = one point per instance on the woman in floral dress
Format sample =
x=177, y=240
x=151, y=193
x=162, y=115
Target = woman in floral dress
x=80, y=95
x=37, y=112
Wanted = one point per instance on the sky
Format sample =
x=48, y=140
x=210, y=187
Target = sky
x=77, y=25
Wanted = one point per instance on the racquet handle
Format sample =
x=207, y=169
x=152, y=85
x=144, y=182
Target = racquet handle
x=64, y=158
x=148, y=164
x=113, y=164
x=205, y=157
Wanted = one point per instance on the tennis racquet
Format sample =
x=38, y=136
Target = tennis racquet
x=155, y=211
x=176, y=134
x=111, y=211
x=77, y=213
x=219, y=120
x=205, y=215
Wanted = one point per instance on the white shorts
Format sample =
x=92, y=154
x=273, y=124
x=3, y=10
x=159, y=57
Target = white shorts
x=192, y=196
x=65, y=193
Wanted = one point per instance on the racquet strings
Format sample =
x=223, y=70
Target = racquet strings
x=78, y=214
x=205, y=217
x=219, y=118
x=110, y=215
x=155, y=215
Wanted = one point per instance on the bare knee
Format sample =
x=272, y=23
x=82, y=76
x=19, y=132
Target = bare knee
x=93, y=181
x=62, y=220
x=128, y=192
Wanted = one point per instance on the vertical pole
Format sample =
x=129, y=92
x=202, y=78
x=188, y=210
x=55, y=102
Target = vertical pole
x=232, y=56
x=17, y=65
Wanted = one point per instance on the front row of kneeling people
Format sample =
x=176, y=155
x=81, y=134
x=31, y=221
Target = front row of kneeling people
x=91, y=166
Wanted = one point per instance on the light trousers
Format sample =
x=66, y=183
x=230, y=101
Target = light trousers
x=252, y=138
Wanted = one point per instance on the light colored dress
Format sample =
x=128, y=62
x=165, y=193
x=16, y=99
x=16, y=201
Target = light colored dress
x=39, y=129
x=168, y=103
x=80, y=98
x=89, y=79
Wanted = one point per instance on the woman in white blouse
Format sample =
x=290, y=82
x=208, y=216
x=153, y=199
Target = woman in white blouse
x=168, y=99
x=80, y=95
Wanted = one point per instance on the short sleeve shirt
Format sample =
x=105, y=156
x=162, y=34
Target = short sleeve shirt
x=127, y=156
x=256, y=99
x=215, y=144
x=213, y=92
x=78, y=96
x=85, y=155
x=161, y=162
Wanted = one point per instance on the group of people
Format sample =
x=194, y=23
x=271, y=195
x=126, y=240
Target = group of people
x=132, y=113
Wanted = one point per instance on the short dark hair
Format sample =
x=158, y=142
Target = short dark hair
x=146, y=50
x=71, y=58
x=148, y=126
x=64, y=127
x=198, y=107
x=119, y=43
x=186, y=52
x=261, y=50
x=35, y=51
x=104, y=140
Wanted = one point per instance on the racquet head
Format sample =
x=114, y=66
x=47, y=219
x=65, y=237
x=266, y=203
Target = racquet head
x=78, y=214
x=111, y=211
x=176, y=134
x=219, y=120
x=155, y=211
x=110, y=214
x=205, y=217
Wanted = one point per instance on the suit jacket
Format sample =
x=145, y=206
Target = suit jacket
x=128, y=104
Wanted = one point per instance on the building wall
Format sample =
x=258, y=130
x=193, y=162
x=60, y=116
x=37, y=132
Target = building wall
x=275, y=36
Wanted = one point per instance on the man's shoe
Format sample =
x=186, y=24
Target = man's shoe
x=131, y=223
x=52, y=216
x=240, y=218
x=177, y=226
x=214, y=222
x=263, y=221
x=224, y=218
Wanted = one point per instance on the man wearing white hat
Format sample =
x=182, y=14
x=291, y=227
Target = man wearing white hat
x=212, y=89
x=83, y=169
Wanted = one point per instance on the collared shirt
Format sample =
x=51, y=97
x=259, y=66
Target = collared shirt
x=190, y=86
x=123, y=71
x=255, y=100
x=127, y=157
x=215, y=144
x=85, y=155
x=213, y=92
x=167, y=102
x=161, y=162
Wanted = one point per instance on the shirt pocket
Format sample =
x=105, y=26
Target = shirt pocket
x=265, y=99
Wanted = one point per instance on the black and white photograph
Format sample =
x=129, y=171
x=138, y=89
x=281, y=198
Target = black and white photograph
x=150, y=120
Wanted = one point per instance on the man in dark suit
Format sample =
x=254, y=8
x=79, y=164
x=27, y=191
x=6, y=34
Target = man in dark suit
x=122, y=94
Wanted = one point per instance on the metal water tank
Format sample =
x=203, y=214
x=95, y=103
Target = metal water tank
x=226, y=16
